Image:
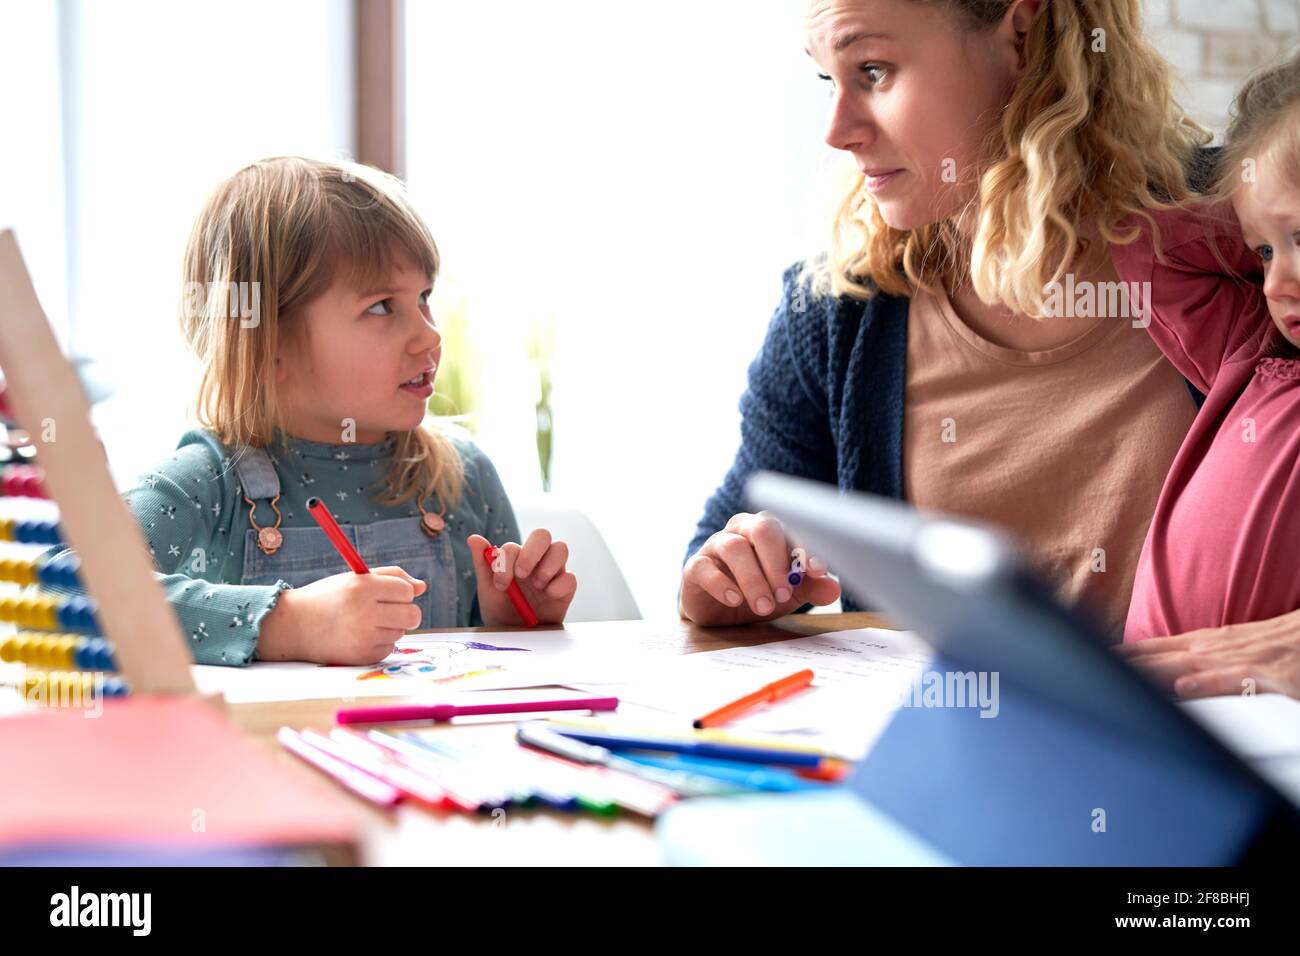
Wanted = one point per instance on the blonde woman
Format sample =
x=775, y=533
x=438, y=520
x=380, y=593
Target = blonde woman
x=926, y=357
x=306, y=298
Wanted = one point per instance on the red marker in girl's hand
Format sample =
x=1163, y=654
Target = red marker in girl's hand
x=527, y=582
x=497, y=560
x=336, y=535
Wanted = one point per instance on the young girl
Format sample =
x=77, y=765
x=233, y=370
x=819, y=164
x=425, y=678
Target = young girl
x=1222, y=546
x=306, y=298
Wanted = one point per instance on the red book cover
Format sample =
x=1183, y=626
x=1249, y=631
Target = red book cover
x=158, y=771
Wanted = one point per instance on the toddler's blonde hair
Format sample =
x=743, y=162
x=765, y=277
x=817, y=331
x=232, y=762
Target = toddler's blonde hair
x=287, y=227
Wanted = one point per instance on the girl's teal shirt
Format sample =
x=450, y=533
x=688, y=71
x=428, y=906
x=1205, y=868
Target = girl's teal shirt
x=194, y=516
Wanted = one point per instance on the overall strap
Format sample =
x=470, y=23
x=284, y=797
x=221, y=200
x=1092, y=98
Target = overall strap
x=260, y=482
x=257, y=474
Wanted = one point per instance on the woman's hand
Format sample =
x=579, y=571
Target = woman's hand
x=345, y=618
x=538, y=566
x=740, y=575
x=1260, y=657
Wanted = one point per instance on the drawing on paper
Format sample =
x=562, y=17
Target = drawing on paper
x=439, y=662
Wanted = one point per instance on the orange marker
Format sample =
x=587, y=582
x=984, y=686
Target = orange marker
x=768, y=694
x=830, y=770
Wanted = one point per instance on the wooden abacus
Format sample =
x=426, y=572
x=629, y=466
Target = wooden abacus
x=122, y=636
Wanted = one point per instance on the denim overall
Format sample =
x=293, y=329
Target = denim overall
x=307, y=555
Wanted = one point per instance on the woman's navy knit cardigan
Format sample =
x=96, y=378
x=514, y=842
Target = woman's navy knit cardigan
x=825, y=395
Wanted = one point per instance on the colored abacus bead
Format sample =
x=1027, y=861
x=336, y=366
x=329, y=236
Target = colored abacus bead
x=37, y=612
x=37, y=531
x=53, y=652
x=70, y=571
x=96, y=654
x=22, y=612
x=36, y=651
x=85, y=656
x=82, y=656
x=76, y=614
x=22, y=481
x=101, y=654
x=23, y=651
x=67, y=617
x=43, y=652
x=87, y=617
x=67, y=648
x=61, y=571
x=60, y=652
x=22, y=571
x=16, y=610
x=32, y=485
x=47, y=612
x=45, y=572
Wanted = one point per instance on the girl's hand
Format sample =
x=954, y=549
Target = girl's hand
x=342, y=619
x=740, y=575
x=538, y=566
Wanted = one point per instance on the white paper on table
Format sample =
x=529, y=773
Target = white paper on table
x=1256, y=726
x=861, y=678
x=548, y=657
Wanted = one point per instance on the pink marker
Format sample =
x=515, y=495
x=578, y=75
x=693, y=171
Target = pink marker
x=438, y=712
x=352, y=777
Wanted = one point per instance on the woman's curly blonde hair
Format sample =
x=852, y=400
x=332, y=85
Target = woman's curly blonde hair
x=1085, y=136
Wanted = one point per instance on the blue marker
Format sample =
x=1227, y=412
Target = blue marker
x=697, y=748
x=732, y=771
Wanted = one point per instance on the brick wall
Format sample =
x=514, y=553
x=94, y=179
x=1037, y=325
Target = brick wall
x=1215, y=44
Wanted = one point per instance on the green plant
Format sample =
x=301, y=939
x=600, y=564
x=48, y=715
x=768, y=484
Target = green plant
x=541, y=352
x=456, y=394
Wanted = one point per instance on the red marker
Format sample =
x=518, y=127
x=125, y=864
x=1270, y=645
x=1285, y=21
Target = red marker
x=336, y=535
x=513, y=591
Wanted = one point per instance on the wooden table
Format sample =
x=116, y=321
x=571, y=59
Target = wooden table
x=417, y=837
